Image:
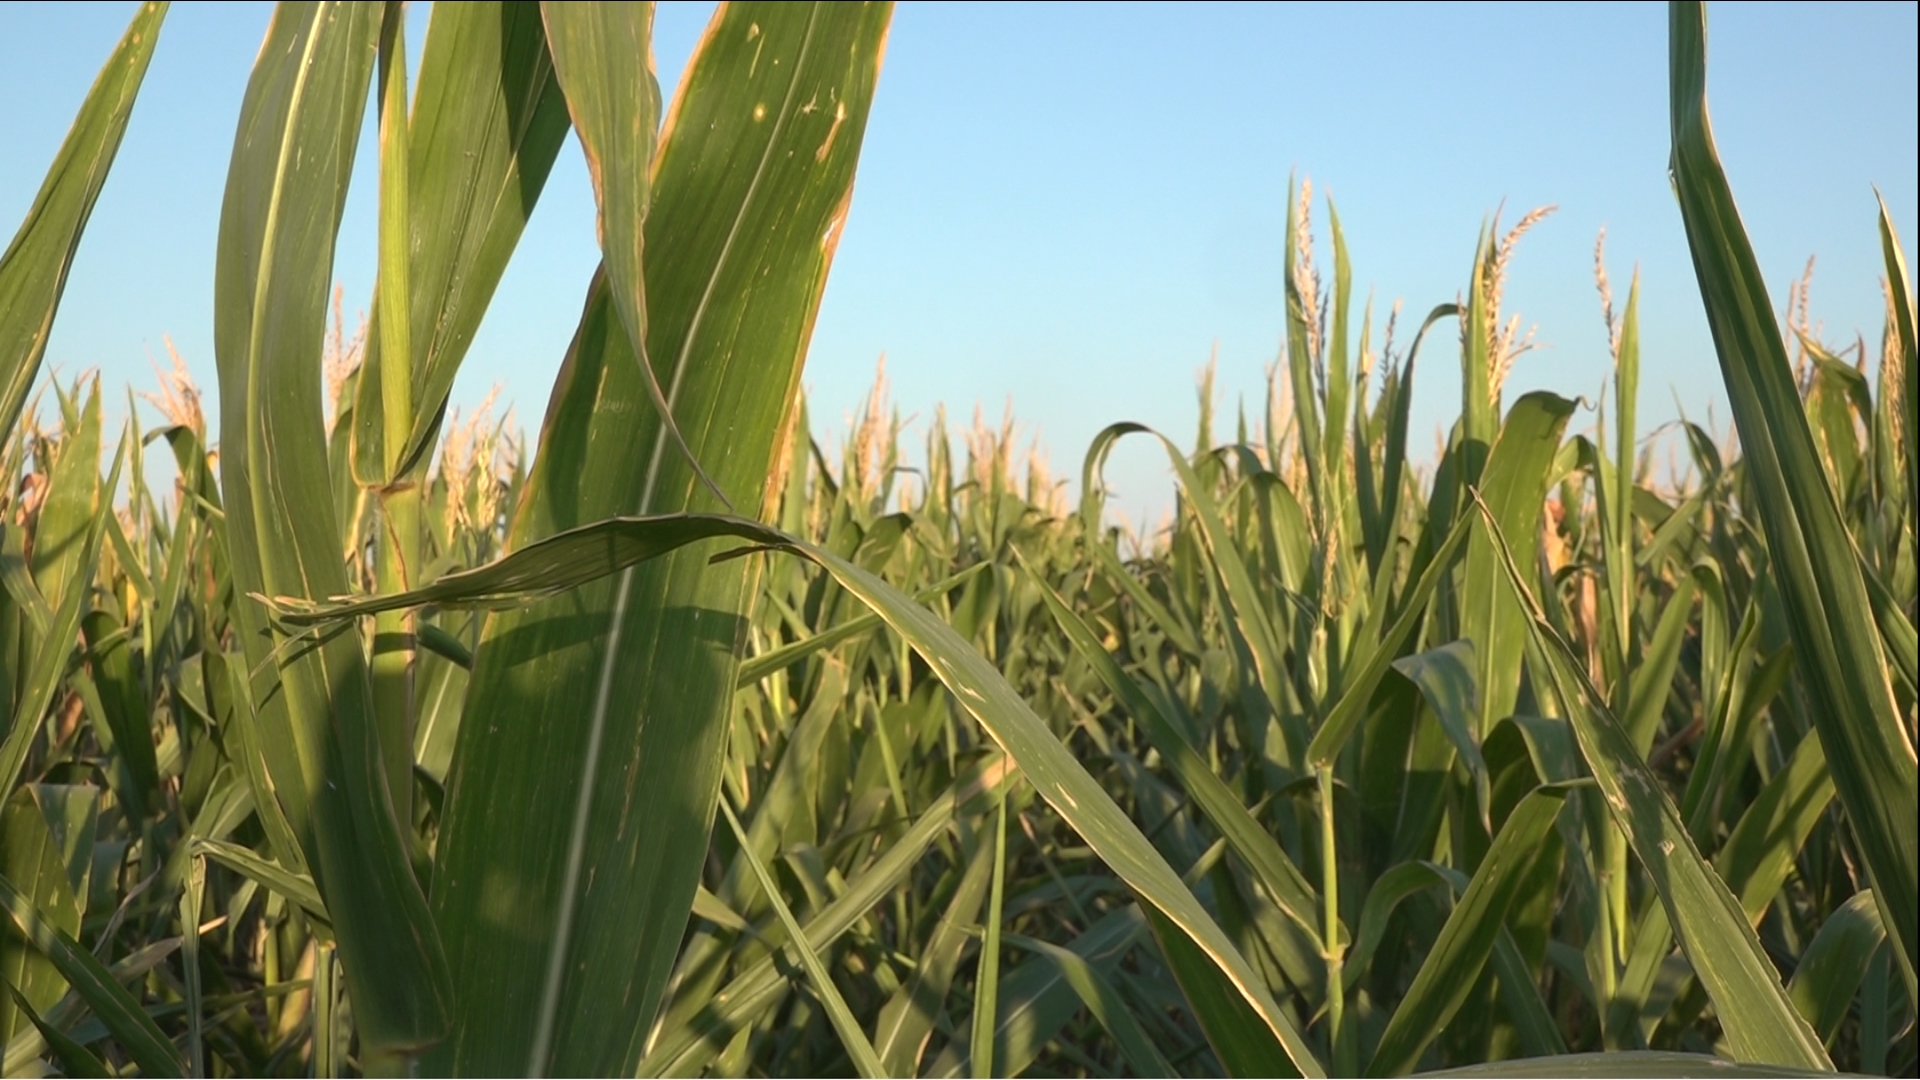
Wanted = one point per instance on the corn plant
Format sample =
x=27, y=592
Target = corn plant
x=707, y=324
x=674, y=747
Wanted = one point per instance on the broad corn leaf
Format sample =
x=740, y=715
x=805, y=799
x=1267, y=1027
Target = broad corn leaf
x=1812, y=556
x=1760, y=1023
x=570, y=702
x=286, y=187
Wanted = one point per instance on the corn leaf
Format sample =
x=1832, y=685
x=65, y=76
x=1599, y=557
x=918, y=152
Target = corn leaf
x=286, y=188
x=565, y=707
x=1467, y=940
x=1627, y=1065
x=30, y=855
x=685, y=1050
x=1812, y=557
x=488, y=121
x=138, y=1035
x=1054, y=772
x=1098, y=994
x=1760, y=1023
x=1834, y=963
x=1514, y=484
x=859, y=1049
x=33, y=272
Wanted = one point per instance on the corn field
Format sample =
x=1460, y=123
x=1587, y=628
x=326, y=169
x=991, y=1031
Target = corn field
x=672, y=742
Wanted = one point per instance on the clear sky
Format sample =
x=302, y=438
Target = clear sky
x=1072, y=205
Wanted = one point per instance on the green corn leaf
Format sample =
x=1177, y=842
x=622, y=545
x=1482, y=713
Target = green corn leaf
x=1835, y=962
x=1393, y=468
x=1098, y=994
x=1759, y=854
x=488, y=122
x=72, y=813
x=1629, y=1065
x=73, y=494
x=124, y=1018
x=33, y=272
x=1514, y=484
x=578, y=773
x=75, y=1059
x=1055, y=774
x=66, y=1015
x=30, y=855
x=286, y=187
x=124, y=703
x=192, y=897
x=1036, y=1001
x=18, y=581
x=844, y=1024
x=49, y=661
x=1652, y=679
x=542, y=568
x=1760, y=1023
x=1240, y=1038
x=1364, y=678
x=295, y=887
x=1900, y=290
x=1469, y=936
x=986, y=988
x=1389, y=890
x=604, y=60
x=1282, y=879
x=757, y=668
x=1250, y=617
x=1445, y=677
x=686, y=1049
x=907, y=1019
x=1812, y=557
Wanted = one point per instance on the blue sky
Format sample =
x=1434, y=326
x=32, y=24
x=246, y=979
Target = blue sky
x=1073, y=206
